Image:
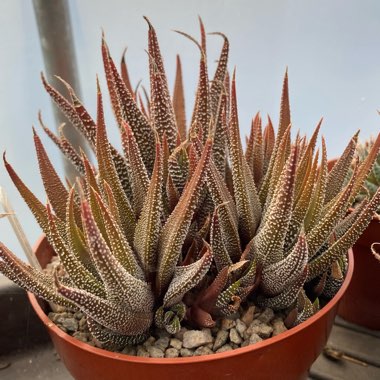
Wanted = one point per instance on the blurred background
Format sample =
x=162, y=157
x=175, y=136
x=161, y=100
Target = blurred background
x=330, y=47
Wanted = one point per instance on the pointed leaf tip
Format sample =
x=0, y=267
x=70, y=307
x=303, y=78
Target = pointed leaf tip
x=148, y=22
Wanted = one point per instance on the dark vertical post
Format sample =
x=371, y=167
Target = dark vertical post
x=57, y=44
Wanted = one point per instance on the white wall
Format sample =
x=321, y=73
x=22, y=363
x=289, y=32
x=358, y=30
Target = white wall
x=331, y=48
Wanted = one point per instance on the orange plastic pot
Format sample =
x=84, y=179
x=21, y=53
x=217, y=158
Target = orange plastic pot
x=361, y=303
x=286, y=356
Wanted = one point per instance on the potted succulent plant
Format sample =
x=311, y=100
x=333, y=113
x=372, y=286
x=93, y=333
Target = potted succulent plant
x=185, y=245
x=360, y=304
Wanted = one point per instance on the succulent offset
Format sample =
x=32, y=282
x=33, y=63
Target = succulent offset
x=184, y=226
x=372, y=181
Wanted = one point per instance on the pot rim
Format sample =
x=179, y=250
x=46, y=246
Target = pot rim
x=53, y=328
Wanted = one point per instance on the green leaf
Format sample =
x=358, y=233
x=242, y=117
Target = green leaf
x=111, y=315
x=77, y=272
x=179, y=101
x=269, y=142
x=178, y=166
x=36, y=207
x=88, y=130
x=256, y=162
x=64, y=146
x=122, y=288
x=217, y=84
x=55, y=190
x=322, y=262
x=138, y=173
x=107, y=171
x=220, y=136
x=148, y=226
x=178, y=223
x=29, y=278
x=247, y=200
x=161, y=108
x=186, y=277
x=278, y=276
x=228, y=214
x=327, y=222
x=269, y=241
x=287, y=297
x=127, y=109
x=337, y=175
x=117, y=242
x=110, y=339
x=318, y=197
x=221, y=255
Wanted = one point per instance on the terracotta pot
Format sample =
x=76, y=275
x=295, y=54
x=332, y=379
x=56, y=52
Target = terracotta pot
x=286, y=356
x=361, y=303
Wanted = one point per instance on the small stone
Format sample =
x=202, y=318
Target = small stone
x=176, y=343
x=180, y=333
x=62, y=328
x=214, y=330
x=70, y=324
x=266, y=316
x=254, y=338
x=227, y=324
x=234, y=316
x=58, y=318
x=161, y=333
x=155, y=352
x=171, y=352
x=224, y=348
x=97, y=343
x=83, y=337
x=129, y=350
x=185, y=352
x=141, y=351
x=58, y=308
x=278, y=326
x=149, y=342
x=162, y=343
x=82, y=324
x=235, y=337
x=247, y=317
x=196, y=338
x=203, y=350
x=259, y=328
x=240, y=327
x=78, y=315
x=221, y=339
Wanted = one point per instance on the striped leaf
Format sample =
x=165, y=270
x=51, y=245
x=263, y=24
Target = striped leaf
x=178, y=223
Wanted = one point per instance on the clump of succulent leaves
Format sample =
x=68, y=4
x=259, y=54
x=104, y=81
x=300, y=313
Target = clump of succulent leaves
x=371, y=184
x=184, y=226
x=372, y=181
